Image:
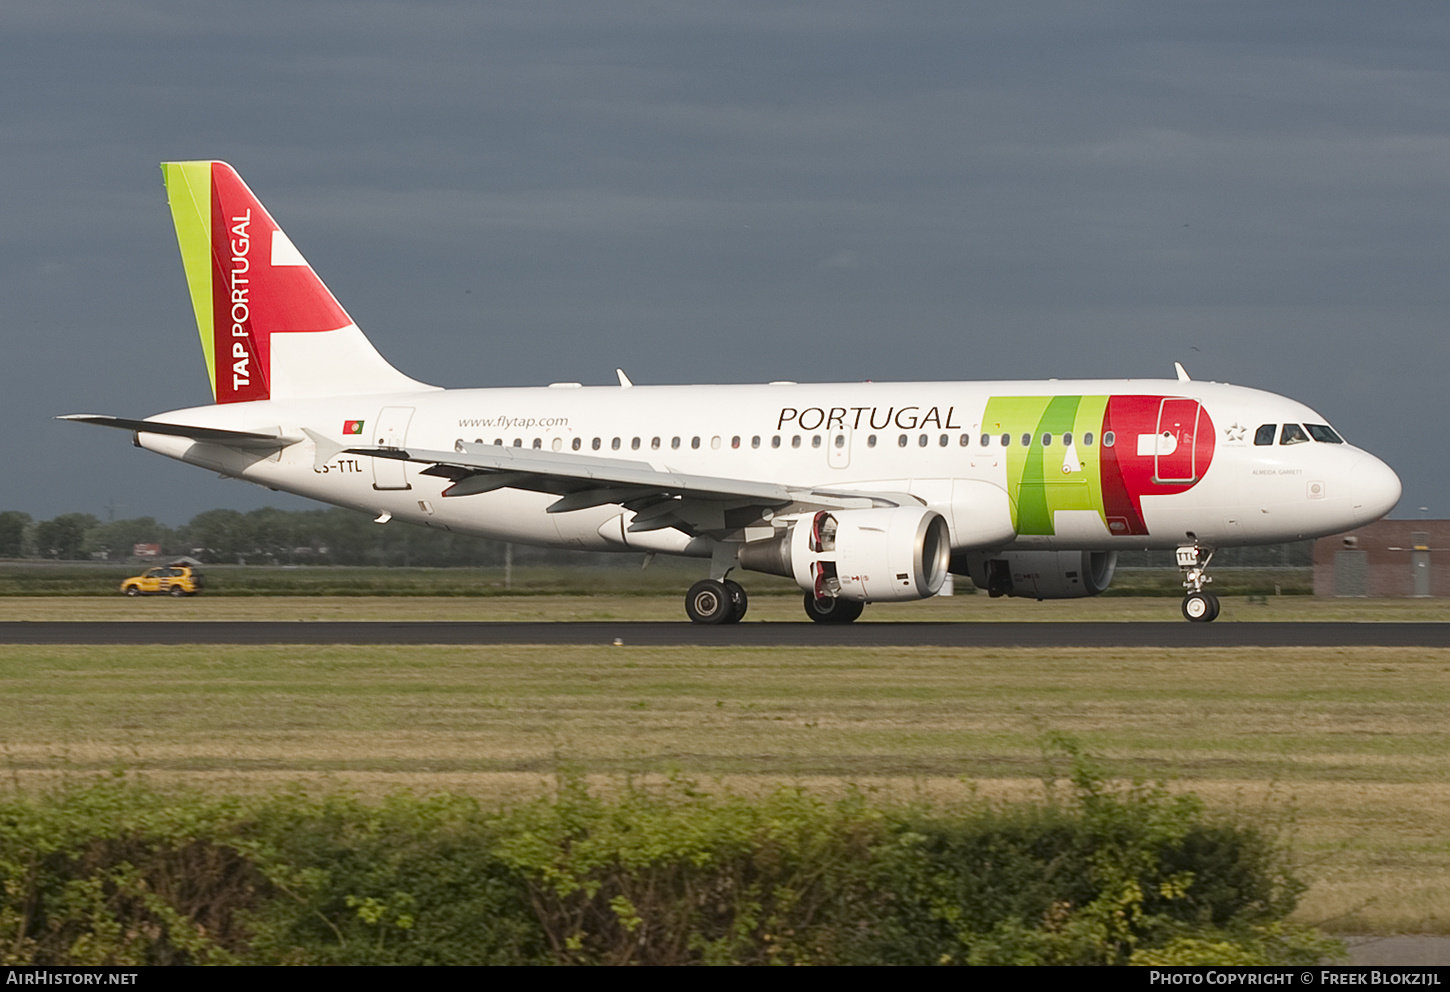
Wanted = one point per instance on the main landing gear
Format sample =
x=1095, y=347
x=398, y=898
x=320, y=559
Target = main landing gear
x=711, y=601
x=832, y=609
x=717, y=601
x=1198, y=606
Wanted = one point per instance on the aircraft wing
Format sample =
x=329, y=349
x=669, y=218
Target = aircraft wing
x=659, y=496
x=212, y=435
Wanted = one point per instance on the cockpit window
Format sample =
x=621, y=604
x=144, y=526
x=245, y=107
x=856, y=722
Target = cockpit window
x=1324, y=433
x=1292, y=434
x=1265, y=434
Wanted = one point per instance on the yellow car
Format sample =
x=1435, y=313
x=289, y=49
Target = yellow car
x=175, y=580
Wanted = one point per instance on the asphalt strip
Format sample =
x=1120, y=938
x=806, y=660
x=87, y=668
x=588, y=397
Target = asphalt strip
x=747, y=634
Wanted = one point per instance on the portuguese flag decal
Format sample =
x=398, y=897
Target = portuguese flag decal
x=352, y=426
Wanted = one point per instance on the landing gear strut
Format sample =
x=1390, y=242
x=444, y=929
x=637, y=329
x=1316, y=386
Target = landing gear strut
x=1198, y=606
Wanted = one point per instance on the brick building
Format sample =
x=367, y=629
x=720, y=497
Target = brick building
x=1388, y=558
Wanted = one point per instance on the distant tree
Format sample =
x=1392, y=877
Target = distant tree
x=12, y=533
x=65, y=536
x=119, y=536
x=218, y=534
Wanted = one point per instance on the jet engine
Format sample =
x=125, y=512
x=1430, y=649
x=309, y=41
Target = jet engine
x=869, y=555
x=1039, y=574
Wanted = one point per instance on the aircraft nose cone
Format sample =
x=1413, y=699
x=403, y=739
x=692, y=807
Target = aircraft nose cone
x=1375, y=488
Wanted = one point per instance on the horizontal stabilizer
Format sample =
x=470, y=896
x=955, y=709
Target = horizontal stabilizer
x=212, y=435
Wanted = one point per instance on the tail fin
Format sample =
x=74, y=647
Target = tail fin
x=269, y=327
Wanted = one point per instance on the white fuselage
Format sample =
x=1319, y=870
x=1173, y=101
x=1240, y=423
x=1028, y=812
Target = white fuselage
x=918, y=438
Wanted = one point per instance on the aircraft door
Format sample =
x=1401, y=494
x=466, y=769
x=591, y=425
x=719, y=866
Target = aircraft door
x=1174, y=454
x=391, y=432
x=838, y=447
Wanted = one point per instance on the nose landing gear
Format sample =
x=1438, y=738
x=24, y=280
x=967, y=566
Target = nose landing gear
x=1198, y=606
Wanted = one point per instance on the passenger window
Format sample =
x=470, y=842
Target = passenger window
x=498, y=441
x=795, y=441
x=1108, y=439
x=634, y=444
x=1067, y=439
x=986, y=440
x=558, y=444
x=538, y=443
x=1292, y=434
x=921, y=441
x=674, y=442
x=966, y=440
x=577, y=442
x=715, y=443
x=1265, y=434
x=735, y=441
x=755, y=441
x=518, y=442
x=901, y=441
x=1047, y=440
x=1087, y=440
x=694, y=442
x=870, y=440
x=595, y=444
x=1006, y=440
x=654, y=444
x=1323, y=432
x=815, y=440
x=614, y=445
x=944, y=440
x=1026, y=440
x=840, y=440
x=775, y=441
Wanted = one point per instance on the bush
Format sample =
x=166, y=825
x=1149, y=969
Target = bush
x=116, y=873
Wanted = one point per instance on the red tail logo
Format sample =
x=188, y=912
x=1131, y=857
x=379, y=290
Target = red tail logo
x=261, y=285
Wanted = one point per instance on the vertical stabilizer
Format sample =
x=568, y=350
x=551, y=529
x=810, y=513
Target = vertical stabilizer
x=269, y=327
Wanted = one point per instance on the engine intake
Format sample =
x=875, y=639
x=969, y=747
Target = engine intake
x=871, y=555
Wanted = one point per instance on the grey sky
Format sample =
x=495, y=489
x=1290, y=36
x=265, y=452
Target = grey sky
x=509, y=194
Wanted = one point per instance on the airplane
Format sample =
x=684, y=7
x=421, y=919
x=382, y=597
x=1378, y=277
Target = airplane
x=860, y=492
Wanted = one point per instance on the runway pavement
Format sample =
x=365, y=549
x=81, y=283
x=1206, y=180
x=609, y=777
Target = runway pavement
x=805, y=634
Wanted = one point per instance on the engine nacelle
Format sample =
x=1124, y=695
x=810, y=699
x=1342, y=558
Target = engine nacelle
x=871, y=555
x=1039, y=574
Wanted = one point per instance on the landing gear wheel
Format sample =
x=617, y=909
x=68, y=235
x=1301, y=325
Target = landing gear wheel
x=1200, y=607
x=739, y=602
x=710, y=602
x=833, y=610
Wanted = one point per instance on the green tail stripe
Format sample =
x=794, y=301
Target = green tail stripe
x=188, y=189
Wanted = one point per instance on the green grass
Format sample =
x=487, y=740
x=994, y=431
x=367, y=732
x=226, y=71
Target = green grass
x=765, y=604
x=1351, y=744
x=623, y=577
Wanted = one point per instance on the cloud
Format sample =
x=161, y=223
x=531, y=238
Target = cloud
x=847, y=260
